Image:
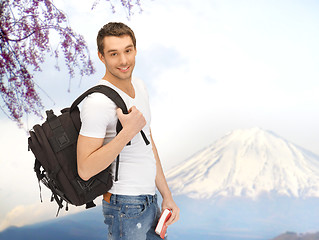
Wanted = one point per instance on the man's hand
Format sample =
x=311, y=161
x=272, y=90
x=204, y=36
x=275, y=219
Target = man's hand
x=133, y=122
x=170, y=204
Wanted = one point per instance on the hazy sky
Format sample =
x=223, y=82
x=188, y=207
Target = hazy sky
x=210, y=66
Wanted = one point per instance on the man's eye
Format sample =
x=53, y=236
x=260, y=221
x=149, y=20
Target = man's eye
x=113, y=54
x=128, y=50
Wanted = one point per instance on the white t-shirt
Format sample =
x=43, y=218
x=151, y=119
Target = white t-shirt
x=137, y=168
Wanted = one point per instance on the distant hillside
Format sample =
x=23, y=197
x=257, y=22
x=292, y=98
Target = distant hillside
x=81, y=226
x=295, y=236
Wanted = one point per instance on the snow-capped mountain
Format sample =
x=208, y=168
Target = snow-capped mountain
x=248, y=163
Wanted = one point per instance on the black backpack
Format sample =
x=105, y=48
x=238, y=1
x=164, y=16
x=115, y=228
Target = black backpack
x=54, y=145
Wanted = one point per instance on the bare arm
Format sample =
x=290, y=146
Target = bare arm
x=163, y=188
x=93, y=157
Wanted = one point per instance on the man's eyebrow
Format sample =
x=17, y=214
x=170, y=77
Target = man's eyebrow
x=115, y=50
x=129, y=46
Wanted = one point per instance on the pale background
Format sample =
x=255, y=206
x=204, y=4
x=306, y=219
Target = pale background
x=211, y=66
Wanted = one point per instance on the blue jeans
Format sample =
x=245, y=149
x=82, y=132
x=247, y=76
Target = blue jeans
x=131, y=217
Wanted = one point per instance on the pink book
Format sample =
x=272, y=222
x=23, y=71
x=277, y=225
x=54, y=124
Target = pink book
x=161, y=225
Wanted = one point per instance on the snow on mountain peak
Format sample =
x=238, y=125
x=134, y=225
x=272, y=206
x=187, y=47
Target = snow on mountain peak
x=248, y=162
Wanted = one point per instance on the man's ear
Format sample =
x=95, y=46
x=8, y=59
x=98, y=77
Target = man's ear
x=101, y=57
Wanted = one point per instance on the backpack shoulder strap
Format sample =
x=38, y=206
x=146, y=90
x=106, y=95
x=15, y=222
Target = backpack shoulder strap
x=107, y=91
x=114, y=96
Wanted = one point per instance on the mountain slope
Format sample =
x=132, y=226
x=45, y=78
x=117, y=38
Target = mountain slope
x=248, y=163
x=295, y=236
x=80, y=226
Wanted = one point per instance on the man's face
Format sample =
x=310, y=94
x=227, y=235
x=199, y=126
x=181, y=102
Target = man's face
x=119, y=57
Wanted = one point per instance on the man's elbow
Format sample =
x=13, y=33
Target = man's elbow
x=83, y=174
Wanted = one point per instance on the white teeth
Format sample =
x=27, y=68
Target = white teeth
x=124, y=68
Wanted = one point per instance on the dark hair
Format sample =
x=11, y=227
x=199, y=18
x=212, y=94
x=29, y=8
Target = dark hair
x=116, y=29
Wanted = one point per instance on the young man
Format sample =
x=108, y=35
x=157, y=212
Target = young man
x=130, y=207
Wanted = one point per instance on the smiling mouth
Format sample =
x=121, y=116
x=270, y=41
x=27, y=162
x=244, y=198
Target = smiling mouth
x=124, y=69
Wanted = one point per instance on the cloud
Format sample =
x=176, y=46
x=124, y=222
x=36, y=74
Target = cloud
x=17, y=179
x=22, y=215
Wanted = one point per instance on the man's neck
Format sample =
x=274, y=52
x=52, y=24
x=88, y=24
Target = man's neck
x=123, y=84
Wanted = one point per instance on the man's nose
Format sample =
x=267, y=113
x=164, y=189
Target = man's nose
x=123, y=59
